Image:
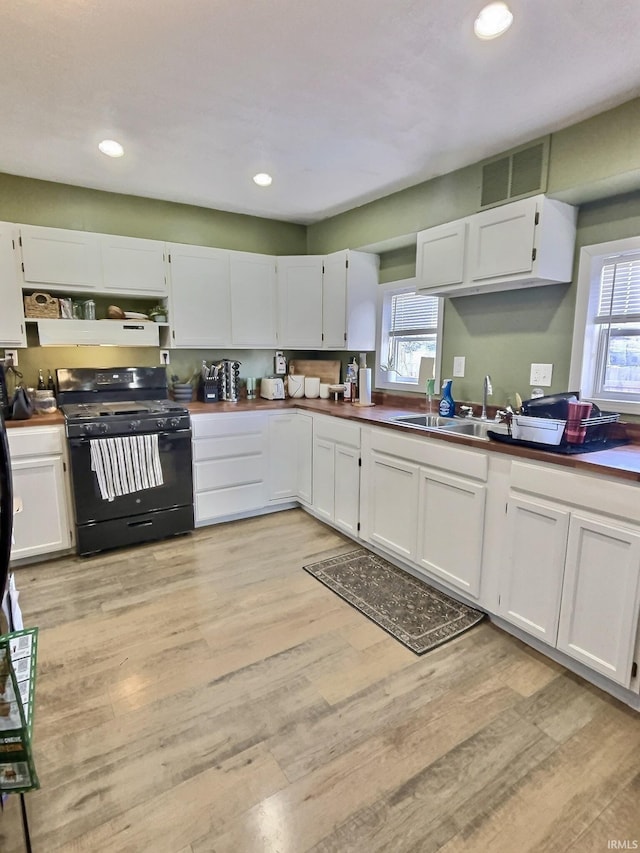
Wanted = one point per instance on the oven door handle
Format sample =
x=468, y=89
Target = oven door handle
x=169, y=436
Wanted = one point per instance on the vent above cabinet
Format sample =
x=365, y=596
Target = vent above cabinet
x=517, y=174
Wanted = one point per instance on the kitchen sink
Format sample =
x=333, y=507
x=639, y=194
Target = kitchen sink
x=425, y=421
x=458, y=426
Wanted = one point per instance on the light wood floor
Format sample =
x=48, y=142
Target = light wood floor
x=206, y=694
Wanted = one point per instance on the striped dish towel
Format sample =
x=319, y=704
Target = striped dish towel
x=129, y=463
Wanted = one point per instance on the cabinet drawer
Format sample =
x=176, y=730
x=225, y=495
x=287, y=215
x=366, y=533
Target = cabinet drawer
x=220, y=473
x=227, y=447
x=335, y=429
x=212, y=425
x=229, y=501
x=35, y=441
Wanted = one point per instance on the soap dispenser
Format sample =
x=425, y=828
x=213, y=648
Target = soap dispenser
x=447, y=406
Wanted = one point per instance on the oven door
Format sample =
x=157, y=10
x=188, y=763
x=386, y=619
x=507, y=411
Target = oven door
x=177, y=490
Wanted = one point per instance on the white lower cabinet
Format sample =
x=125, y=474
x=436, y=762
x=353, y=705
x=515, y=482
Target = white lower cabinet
x=424, y=501
x=304, y=441
x=570, y=574
x=336, y=473
x=38, y=469
x=601, y=597
x=452, y=552
x=229, y=464
x=392, y=488
x=536, y=544
x=290, y=448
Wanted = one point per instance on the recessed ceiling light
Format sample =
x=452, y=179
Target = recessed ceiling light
x=492, y=21
x=262, y=179
x=111, y=148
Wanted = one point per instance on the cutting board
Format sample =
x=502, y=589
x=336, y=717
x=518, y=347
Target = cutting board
x=328, y=371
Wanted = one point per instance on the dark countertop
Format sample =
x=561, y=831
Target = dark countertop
x=622, y=462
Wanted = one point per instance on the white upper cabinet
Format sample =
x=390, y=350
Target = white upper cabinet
x=527, y=243
x=200, y=296
x=133, y=266
x=300, y=301
x=501, y=241
x=60, y=259
x=349, y=293
x=440, y=254
x=253, y=300
x=12, y=328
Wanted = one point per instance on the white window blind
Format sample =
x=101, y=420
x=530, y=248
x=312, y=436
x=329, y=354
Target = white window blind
x=619, y=298
x=413, y=314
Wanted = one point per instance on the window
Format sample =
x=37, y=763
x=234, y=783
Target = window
x=410, y=328
x=605, y=362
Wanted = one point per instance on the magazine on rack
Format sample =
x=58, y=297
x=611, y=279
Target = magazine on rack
x=17, y=688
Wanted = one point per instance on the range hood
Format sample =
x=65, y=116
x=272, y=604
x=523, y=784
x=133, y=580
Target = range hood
x=126, y=333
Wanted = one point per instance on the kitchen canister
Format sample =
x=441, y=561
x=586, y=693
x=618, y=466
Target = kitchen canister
x=312, y=386
x=295, y=385
x=324, y=391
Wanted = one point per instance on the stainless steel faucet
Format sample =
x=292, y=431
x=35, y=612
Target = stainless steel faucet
x=487, y=390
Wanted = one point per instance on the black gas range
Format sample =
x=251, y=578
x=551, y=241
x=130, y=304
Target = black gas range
x=130, y=452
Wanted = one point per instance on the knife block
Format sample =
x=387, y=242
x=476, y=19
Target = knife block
x=208, y=391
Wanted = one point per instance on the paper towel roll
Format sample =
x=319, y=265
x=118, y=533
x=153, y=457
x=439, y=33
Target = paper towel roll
x=364, y=379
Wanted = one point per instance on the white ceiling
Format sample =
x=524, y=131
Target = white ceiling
x=342, y=101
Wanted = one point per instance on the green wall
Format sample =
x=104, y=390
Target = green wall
x=62, y=206
x=590, y=164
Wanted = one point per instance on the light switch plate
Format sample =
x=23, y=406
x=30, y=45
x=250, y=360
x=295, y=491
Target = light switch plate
x=458, y=365
x=165, y=358
x=541, y=375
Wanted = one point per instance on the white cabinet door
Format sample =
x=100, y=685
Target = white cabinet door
x=253, y=300
x=300, y=301
x=60, y=259
x=304, y=437
x=501, y=240
x=282, y=456
x=324, y=479
x=349, y=297
x=533, y=567
x=12, y=328
x=200, y=301
x=601, y=597
x=43, y=526
x=440, y=255
x=334, y=301
x=133, y=266
x=392, y=490
x=347, y=488
x=451, y=529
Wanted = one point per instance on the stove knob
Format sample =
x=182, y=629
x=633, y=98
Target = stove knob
x=174, y=422
x=161, y=423
x=88, y=428
x=133, y=425
x=103, y=428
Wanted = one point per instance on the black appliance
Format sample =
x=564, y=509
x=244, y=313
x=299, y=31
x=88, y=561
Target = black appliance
x=4, y=393
x=108, y=413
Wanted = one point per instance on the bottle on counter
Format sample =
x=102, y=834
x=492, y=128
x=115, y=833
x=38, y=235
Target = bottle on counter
x=447, y=406
x=51, y=385
x=41, y=385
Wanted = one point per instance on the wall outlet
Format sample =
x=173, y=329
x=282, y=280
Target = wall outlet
x=165, y=357
x=458, y=365
x=541, y=375
x=13, y=355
